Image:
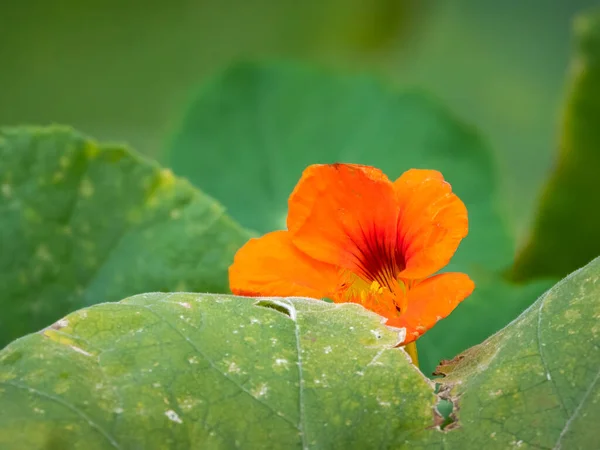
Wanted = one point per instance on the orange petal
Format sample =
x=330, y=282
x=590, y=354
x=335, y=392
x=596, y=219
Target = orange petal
x=345, y=215
x=430, y=301
x=431, y=223
x=272, y=266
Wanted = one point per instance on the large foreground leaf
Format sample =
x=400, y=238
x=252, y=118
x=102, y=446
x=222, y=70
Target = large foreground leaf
x=204, y=371
x=82, y=223
x=179, y=371
x=535, y=383
x=250, y=134
x=565, y=233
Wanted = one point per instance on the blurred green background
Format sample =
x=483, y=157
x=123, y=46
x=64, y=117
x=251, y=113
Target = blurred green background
x=124, y=71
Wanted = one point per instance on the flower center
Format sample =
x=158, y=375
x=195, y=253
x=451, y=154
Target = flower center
x=378, y=258
x=387, y=300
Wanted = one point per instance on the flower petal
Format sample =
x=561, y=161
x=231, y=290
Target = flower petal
x=431, y=223
x=272, y=266
x=345, y=215
x=430, y=301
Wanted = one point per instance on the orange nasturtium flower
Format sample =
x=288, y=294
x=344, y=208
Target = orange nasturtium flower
x=354, y=236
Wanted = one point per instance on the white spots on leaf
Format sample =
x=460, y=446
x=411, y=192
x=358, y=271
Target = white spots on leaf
x=377, y=334
x=118, y=410
x=254, y=320
x=516, y=443
x=184, y=304
x=156, y=385
x=322, y=382
x=193, y=360
x=273, y=341
x=6, y=190
x=260, y=391
x=572, y=315
x=99, y=385
x=188, y=403
x=38, y=411
x=384, y=404
x=548, y=377
x=493, y=435
x=327, y=349
x=235, y=331
x=173, y=416
x=233, y=368
x=62, y=323
x=281, y=362
x=80, y=350
x=185, y=319
x=495, y=394
x=375, y=361
x=348, y=422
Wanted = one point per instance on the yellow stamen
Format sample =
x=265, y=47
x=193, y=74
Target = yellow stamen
x=376, y=288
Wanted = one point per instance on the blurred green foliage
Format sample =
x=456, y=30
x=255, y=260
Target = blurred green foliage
x=565, y=234
x=122, y=70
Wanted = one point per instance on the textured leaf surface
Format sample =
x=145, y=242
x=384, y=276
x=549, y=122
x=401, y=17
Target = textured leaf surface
x=210, y=371
x=82, y=223
x=535, y=384
x=565, y=233
x=184, y=371
x=258, y=128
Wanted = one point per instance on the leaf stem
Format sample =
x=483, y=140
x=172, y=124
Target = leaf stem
x=411, y=349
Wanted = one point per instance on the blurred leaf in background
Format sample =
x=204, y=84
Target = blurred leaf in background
x=565, y=234
x=501, y=66
x=82, y=223
x=122, y=70
x=254, y=129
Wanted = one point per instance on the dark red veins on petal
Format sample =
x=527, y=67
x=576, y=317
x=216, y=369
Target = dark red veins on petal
x=378, y=257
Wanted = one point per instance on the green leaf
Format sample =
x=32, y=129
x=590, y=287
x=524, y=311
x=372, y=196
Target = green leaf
x=174, y=371
x=207, y=371
x=565, y=232
x=258, y=127
x=535, y=384
x=82, y=223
